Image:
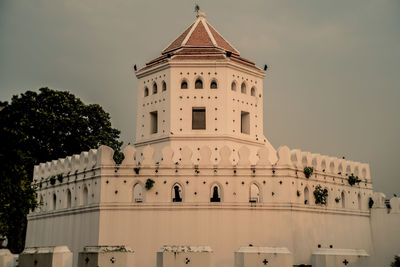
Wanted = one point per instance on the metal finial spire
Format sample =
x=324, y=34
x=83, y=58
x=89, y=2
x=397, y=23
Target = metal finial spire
x=197, y=9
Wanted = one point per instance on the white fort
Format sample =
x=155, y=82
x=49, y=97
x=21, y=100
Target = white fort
x=203, y=186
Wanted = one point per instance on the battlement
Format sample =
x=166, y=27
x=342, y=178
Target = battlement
x=204, y=157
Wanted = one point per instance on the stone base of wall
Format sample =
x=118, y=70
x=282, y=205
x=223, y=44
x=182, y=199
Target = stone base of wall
x=263, y=256
x=106, y=256
x=46, y=257
x=340, y=257
x=182, y=256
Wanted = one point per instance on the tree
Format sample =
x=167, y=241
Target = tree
x=396, y=262
x=39, y=127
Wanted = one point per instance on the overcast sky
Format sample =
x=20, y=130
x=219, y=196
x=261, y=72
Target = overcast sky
x=332, y=87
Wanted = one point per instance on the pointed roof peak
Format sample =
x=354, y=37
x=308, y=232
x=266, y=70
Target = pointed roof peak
x=201, y=15
x=200, y=34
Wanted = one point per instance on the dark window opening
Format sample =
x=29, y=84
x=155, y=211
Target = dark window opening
x=245, y=122
x=184, y=85
x=154, y=88
x=243, y=88
x=233, y=86
x=213, y=85
x=153, y=122
x=177, y=196
x=164, y=86
x=146, y=91
x=215, y=195
x=199, y=119
x=198, y=84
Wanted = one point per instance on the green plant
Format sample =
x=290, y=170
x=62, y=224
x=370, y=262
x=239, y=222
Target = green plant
x=308, y=171
x=320, y=195
x=40, y=126
x=149, y=184
x=60, y=178
x=118, y=157
x=370, y=203
x=298, y=193
x=52, y=180
x=353, y=180
x=337, y=199
x=396, y=262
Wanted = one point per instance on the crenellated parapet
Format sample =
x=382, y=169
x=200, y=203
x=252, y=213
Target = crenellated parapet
x=204, y=157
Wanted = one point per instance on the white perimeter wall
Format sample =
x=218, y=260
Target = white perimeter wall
x=226, y=227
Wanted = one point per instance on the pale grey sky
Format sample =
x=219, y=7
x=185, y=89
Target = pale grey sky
x=332, y=87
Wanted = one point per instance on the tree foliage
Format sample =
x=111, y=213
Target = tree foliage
x=39, y=127
x=396, y=262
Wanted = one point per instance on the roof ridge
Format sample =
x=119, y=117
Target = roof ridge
x=194, y=25
x=235, y=50
x=209, y=32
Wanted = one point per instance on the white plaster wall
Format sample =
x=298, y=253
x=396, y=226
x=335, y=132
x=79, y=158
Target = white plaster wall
x=280, y=219
x=385, y=227
x=75, y=229
x=225, y=228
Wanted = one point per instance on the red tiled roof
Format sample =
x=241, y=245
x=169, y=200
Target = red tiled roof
x=199, y=37
x=221, y=42
x=199, y=41
x=177, y=43
x=200, y=34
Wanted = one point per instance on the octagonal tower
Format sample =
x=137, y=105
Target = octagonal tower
x=200, y=91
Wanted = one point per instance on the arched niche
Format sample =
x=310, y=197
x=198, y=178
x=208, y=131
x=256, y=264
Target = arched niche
x=254, y=196
x=177, y=193
x=85, y=196
x=69, y=199
x=233, y=86
x=184, y=84
x=253, y=91
x=213, y=84
x=215, y=193
x=343, y=198
x=306, y=196
x=243, y=88
x=155, y=88
x=138, y=193
x=198, y=84
x=54, y=202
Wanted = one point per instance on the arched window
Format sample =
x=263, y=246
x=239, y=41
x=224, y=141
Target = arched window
x=243, y=88
x=359, y=201
x=138, y=193
x=164, y=86
x=254, y=193
x=306, y=196
x=85, y=196
x=215, y=194
x=69, y=199
x=154, y=88
x=54, y=202
x=253, y=91
x=233, y=86
x=146, y=91
x=343, y=200
x=41, y=203
x=184, y=85
x=213, y=84
x=198, y=84
x=177, y=193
